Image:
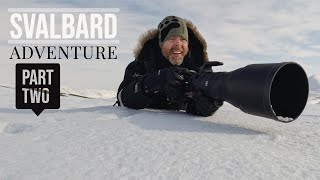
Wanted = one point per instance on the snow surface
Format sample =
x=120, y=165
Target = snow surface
x=285, y=119
x=91, y=139
x=88, y=138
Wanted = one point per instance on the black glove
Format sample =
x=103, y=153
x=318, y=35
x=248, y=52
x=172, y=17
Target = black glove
x=202, y=82
x=202, y=105
x=169, y=82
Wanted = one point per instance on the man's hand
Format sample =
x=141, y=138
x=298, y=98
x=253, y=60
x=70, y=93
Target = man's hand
x=202, y=105
x=199, y=82
x=169, y=81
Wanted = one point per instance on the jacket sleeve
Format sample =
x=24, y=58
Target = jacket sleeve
x=130, y=93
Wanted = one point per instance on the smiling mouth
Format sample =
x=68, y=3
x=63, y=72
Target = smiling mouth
x=176, y=52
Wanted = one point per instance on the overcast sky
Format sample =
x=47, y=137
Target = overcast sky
x=238, y=32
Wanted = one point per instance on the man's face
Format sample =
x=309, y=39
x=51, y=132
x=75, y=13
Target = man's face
x=175, y=49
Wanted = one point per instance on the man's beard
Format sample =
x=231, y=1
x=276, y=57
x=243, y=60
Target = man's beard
x=175, y=61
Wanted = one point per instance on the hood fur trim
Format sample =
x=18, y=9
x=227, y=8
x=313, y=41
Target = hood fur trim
x=152, y=33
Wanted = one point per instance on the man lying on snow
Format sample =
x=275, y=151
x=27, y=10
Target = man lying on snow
x=158, y=76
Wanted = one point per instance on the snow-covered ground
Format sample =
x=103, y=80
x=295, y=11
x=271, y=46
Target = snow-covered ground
x=91, y=139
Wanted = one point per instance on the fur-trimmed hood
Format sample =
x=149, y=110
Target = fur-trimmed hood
x=197, y=44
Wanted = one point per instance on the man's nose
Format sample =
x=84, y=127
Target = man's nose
x=177, y=41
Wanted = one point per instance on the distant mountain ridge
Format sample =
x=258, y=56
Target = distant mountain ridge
x=314, y=82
